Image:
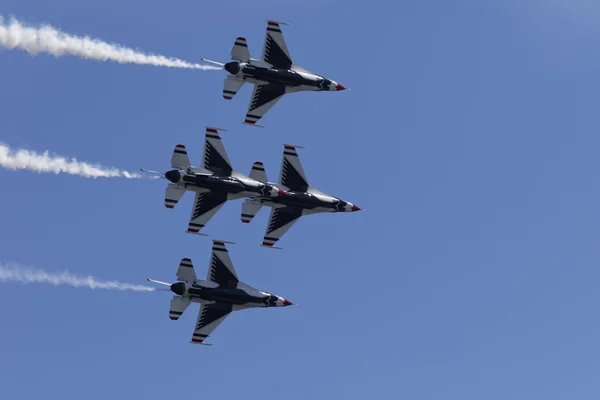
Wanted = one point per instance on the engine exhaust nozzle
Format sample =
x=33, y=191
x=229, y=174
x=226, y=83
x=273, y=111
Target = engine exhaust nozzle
x=173, y=176
x=232, y=67
x=178, y=288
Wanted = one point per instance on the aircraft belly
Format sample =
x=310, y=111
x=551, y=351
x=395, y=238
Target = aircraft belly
x=228, y=296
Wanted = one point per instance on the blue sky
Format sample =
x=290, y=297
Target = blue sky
x=470, y=136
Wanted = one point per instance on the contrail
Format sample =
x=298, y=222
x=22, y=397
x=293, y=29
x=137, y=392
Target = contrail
x=18, y=274
x=47, y=39
x=45, y=162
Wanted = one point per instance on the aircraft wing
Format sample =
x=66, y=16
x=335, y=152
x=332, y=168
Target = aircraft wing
x=275, y=51
x=209, y=317
x=263, y=98
x=221, y=268
x=206, y=206
x=292, y=174
x=215, y=157
x=280, y=221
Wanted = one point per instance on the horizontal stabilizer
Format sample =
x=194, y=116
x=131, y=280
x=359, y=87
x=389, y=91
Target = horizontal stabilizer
x=180, y=159
x=186, y=272
x=249, y=210
x=178, y=306
x=258, y=172
x=239, y=51
x=173, y=194
x=231, y=86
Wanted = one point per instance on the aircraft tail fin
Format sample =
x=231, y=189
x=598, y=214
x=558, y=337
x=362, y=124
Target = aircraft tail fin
x=239, y=51
x=250, y=208
x=258, y=172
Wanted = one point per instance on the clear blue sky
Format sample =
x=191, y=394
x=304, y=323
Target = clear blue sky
x=470, y=136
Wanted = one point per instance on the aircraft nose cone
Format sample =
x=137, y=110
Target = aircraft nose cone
x=173, y=176
x=281, y=192
x=356, y=208
x=340, y=87
x=286, y=303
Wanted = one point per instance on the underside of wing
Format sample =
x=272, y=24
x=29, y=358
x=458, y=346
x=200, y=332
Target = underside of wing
x=209, y=317
x=221, y=268
x=292, y=174
x=206, y=206
x=280, y=221
x=215, y=157
x=275, y=50
x=263, y=99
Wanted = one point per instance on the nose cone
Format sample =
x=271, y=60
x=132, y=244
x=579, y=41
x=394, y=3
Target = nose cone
x=281, y=192
x=339, y=87
x=173, y=176
x=356, y=208
x=286, y=303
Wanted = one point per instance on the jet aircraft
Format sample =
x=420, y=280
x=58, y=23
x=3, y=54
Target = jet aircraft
x=218, y=295
x=273, y=75
x=300, y=199
x=214, y=183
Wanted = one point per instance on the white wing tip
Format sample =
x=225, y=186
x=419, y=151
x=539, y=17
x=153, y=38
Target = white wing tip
x=196, y=233
x=203, y=344
x=278, y=22
x=258, y=125
x=215, y=129
x=271, y=247
x=222, y=241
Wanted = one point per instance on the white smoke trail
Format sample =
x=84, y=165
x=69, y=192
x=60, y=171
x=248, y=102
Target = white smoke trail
x=50, y=40
x=18, y=274
x=44, y=162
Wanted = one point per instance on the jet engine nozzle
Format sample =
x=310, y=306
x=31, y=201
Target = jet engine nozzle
x=173, y=176
x=178, y=288
x=232, y=67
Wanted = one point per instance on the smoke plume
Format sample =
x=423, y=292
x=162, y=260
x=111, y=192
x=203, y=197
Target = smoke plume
x=46, y=39
x=50, y=163
x=18, y=274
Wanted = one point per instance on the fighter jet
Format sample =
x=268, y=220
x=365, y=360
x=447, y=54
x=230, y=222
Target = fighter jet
x=214, y=183
x=218, y=295
x=300, y=199
x=273, y=76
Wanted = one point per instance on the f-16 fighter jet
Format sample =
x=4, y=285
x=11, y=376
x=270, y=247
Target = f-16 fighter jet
x=218, y=295
x=273, y=76
x=214, y=183
x=301, y=199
